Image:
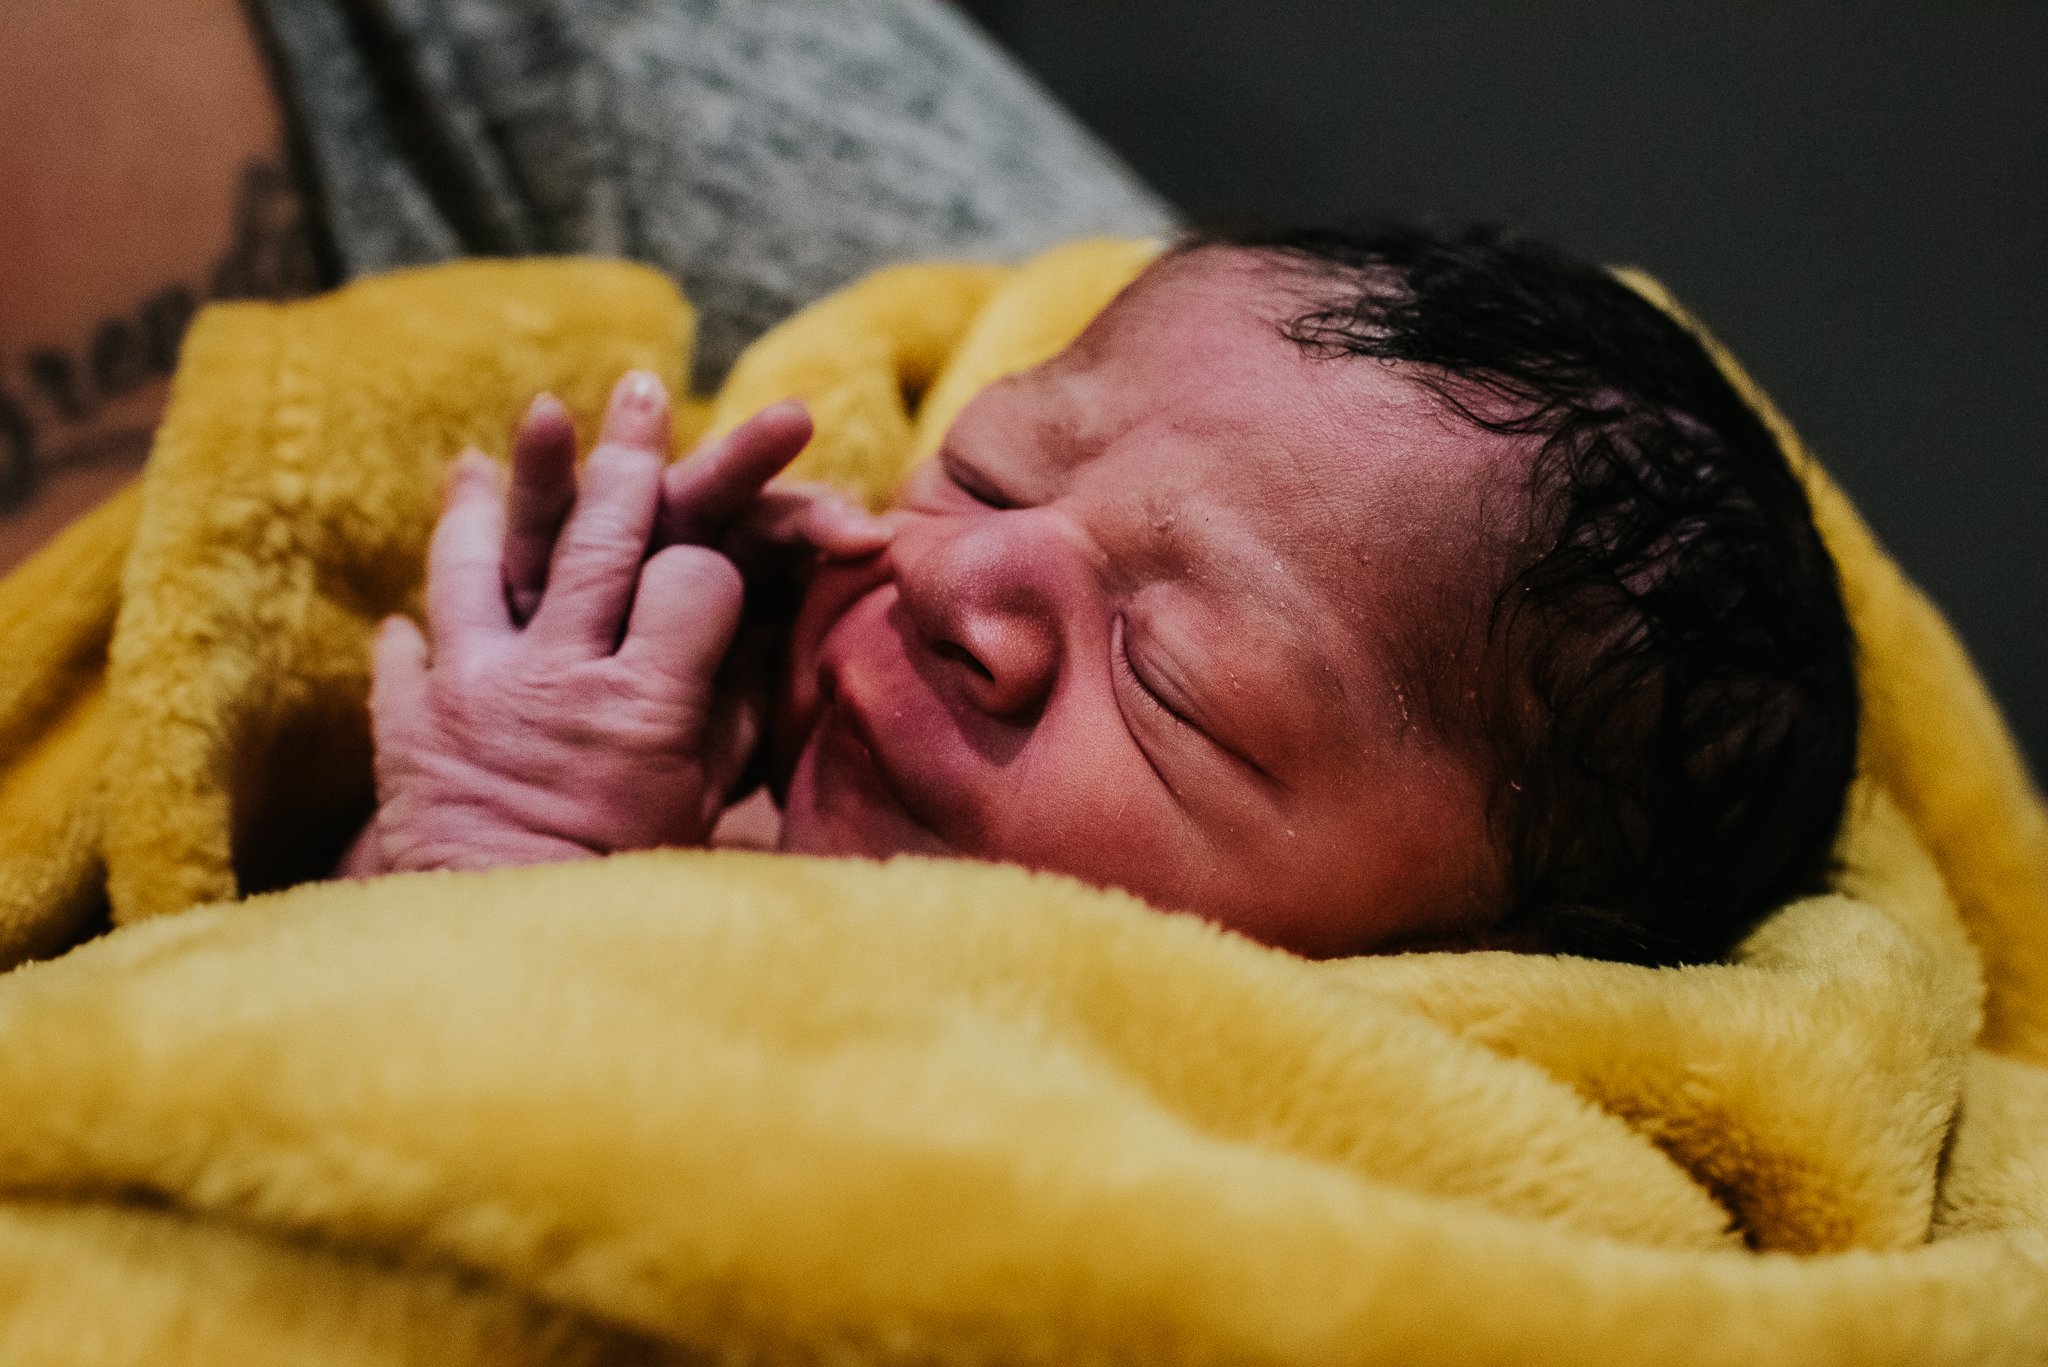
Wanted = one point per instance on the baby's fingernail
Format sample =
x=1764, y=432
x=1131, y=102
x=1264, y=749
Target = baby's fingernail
x=638, y=391
x=861, y=522
x=463, y=467
x=638, y=415
x=545, y=408
x=851, y=530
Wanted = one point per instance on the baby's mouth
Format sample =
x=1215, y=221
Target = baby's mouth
x=841, y=756
x=839, y=711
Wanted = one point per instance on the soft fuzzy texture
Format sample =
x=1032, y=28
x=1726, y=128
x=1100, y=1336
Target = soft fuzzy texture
x=679, y=1106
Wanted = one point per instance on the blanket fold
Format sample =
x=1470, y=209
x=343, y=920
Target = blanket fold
x=713, y=1105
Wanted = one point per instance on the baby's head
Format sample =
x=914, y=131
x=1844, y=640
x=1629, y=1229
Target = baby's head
x=1352, y=591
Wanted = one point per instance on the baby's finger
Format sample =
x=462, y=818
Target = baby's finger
x=598, y=555
x=465, y=591
x=637, y=414
x=685, y=614
x=398, y=683
x=812, y=517
x=789, y=532
x=542, y=492
x=702, y=495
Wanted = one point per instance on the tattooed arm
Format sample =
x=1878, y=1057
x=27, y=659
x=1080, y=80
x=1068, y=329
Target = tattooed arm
x=142, y=172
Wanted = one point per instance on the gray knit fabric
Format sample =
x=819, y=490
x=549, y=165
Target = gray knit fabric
x=762, y=152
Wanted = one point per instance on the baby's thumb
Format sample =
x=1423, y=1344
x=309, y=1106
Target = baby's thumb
x=811, y=517
x=843, y=530
x=398, y=680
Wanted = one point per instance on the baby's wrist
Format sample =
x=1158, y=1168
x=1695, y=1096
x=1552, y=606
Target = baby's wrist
x=458, y=844
x=364, y=857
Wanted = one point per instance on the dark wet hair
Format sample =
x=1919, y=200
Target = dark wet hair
x=1669, y=706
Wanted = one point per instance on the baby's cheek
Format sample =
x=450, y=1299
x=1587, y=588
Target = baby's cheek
x=1086, y=809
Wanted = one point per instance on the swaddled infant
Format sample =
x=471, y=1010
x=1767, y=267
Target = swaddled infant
x=1353, y=591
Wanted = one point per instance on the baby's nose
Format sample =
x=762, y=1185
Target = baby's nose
x=1006, y=663
x=984, y=603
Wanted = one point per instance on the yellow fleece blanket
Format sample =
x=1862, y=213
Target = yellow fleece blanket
x=682, y=1107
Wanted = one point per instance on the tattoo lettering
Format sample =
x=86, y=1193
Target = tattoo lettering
x=269, y=256
x=165, y=316
x=52, y=372
x=120, y=359
x=17, y=453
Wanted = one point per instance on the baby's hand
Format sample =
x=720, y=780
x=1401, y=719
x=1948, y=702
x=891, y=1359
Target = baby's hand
x=572, y=694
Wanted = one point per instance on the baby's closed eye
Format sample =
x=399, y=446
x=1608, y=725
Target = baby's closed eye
x=1172, y=695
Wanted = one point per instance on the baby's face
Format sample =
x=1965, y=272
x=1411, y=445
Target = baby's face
x=1137, y=626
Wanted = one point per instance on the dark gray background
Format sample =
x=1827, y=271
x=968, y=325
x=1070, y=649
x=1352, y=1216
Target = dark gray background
x=1852, y=195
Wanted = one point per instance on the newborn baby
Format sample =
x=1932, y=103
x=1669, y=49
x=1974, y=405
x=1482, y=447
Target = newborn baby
x=1354, y=591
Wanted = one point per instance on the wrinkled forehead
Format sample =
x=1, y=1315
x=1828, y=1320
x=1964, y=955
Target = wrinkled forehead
x=1208, y=303
x=1187, y=394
